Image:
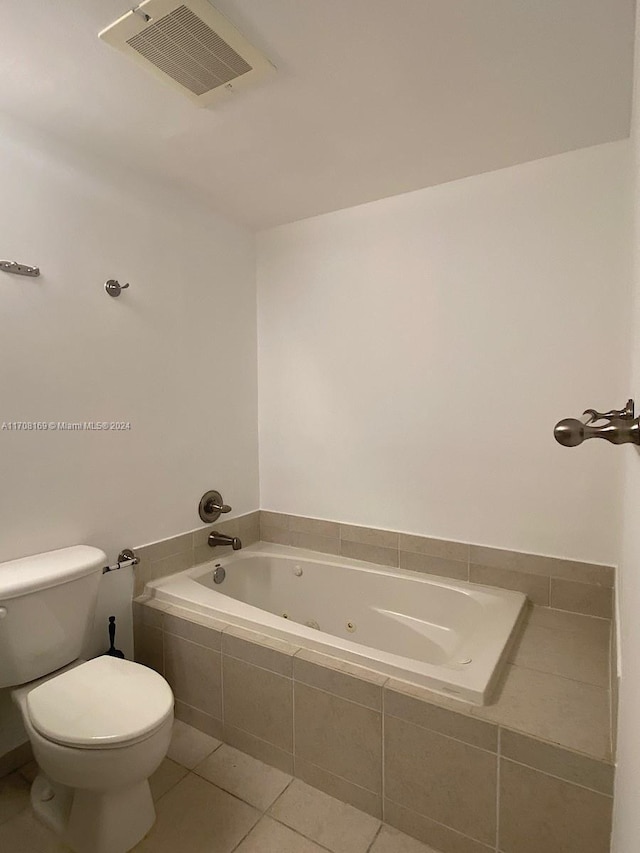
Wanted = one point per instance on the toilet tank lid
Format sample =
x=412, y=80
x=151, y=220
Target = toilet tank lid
x=40, y=571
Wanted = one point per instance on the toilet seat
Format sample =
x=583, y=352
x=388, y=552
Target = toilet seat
x=103, y=703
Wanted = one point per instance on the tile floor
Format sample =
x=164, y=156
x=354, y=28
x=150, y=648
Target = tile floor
x=211, y=798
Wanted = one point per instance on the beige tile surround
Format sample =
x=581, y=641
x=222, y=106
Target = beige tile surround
x=189, y=549
x=452, y=775
x=530, y=772
x=548, y=581
x=562, y=584
x=359, y=736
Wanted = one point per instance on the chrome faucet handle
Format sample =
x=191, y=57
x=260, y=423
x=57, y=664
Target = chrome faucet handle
x=211, y=506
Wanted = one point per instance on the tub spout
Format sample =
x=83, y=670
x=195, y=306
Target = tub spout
x=220, y=539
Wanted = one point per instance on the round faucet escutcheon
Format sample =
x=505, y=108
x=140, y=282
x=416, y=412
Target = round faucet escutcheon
x=212, y=506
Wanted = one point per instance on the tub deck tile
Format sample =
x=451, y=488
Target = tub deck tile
x=443, y=720
x=560, y=696
x=258, y=649
x=555, y=709
x=345, y=679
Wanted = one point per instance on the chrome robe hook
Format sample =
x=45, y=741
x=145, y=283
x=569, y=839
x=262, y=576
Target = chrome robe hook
x=114, y=288
x=620, y=427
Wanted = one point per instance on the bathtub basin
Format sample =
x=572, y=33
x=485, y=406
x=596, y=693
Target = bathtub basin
x=449, y=636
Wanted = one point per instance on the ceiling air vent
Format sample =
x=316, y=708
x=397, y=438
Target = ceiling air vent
x=191, y=46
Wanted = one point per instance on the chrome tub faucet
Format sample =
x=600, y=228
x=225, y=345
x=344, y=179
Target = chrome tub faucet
x=216, y=538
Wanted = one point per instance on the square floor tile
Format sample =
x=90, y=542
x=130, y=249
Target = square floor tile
x=196, y=817
x=244, y=776
x=24, y=834
x=269, y=836
x=189, y=746
x=166, y=776
x=391, y=840
x=14, y=796
x=320, y=817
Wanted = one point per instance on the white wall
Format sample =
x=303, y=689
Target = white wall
x=175, y=355
x=626, y=822
x=416, y=352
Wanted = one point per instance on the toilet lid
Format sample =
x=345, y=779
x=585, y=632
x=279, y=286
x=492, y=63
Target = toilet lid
x=104, y=702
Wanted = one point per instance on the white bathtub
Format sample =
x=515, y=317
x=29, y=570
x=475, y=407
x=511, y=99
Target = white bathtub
x=449, y=636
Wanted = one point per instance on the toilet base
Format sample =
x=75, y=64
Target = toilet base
x=51, y=803
x=95, y=821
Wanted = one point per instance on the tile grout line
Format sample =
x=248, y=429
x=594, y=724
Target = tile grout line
x=257, y=665
x=343, y=698
x=383, y=784
x=613, y=686
x=262, y=811
x=222, y=714
x=262, y=741
x=449, y=737
x=558, y=778
x=439, y=823
x=375, y=837
x=267, y=811
x=246, y=835
x=342, y=779
x=498, y=788
x=557, y=675
x=293, y=718
x=297, y=831
x=508, y=727
x=206, y=714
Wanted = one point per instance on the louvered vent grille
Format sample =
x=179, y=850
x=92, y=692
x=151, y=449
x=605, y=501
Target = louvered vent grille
x=181, y=45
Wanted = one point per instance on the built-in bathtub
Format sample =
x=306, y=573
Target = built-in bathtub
x=449, y=636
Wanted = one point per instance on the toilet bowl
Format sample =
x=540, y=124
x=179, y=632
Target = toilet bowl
x=98, y=730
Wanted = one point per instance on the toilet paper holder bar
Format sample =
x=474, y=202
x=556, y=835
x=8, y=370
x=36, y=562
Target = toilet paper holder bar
x=126, y=558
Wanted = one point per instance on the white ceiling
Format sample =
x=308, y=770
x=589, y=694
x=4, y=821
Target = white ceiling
x=372, y=97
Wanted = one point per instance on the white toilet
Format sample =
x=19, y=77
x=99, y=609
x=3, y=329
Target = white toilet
x=98, y=728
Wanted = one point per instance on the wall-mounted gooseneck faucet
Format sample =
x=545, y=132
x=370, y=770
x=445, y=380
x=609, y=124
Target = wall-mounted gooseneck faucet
x=620, y=426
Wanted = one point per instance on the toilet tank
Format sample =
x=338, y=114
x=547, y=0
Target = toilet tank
x=47, y=603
